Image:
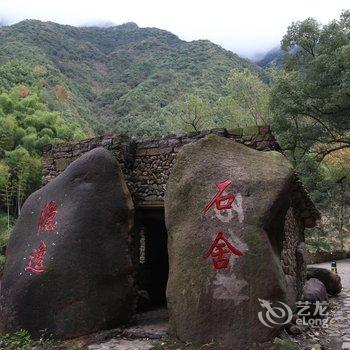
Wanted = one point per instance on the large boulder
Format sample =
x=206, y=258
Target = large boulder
x=68, y=267
x=225, y=207
x=315, y=299
x=331, y=280
x=314, y=290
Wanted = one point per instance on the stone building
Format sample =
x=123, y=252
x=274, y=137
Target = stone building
x=209, y=224
x=147, y=164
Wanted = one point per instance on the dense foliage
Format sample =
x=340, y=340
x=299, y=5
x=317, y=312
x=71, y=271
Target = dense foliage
x=60, y=83
x=108, y=76
x=26, y=125
x=313, y=92
x=310, y=99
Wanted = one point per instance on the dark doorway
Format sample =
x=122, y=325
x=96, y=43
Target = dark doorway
x=153, y=265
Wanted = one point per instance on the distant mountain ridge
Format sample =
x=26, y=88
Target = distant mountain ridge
x=274, y=57
x=108, y=73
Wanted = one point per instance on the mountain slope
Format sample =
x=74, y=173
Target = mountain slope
x=274, y=57
x=102, y=75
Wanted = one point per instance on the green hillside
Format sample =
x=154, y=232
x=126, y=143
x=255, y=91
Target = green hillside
x=60, y=83
x=103, y=77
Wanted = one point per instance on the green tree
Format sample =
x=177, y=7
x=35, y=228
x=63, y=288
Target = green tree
x=193, y=113
x=313, y=93
x=8, y=126
x=30, y=123
x=22, y=167
x=6, y=190
x=333, y=230
x=310, y=101
x=27, y=125
x=245, y=92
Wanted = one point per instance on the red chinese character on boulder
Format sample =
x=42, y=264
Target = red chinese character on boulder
x=36, y=259
x=221, y=201
x=47, y=221
x=219, y=248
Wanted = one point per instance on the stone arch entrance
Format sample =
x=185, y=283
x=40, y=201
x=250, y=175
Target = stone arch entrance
x=151, y=254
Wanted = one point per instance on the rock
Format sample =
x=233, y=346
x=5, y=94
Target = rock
x=331, y=280
x=314, y=290
x=293, y=329
x=212, y=296
x=301, y=254
x=68, y=267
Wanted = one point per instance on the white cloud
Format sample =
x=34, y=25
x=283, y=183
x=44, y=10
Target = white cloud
x=245, y=27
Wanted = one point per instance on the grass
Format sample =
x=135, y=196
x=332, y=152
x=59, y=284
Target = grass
x=22, y=340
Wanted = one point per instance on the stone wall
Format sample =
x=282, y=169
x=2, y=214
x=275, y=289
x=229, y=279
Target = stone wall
x=56, y=158
x=321, y=256
x=154, y=158
x=146, y=164
x=294, y=255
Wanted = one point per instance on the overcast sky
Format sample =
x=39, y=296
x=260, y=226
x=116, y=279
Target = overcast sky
x=246, y=27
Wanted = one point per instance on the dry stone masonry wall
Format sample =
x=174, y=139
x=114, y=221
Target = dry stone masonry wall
x=293, y=256
x=147, y=163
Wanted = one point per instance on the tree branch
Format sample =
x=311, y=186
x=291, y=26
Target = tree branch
x=323, y=154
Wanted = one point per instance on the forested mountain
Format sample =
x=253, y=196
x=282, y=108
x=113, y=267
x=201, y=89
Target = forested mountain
x=109, y=77
x=60, y=83
x=274, y=57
